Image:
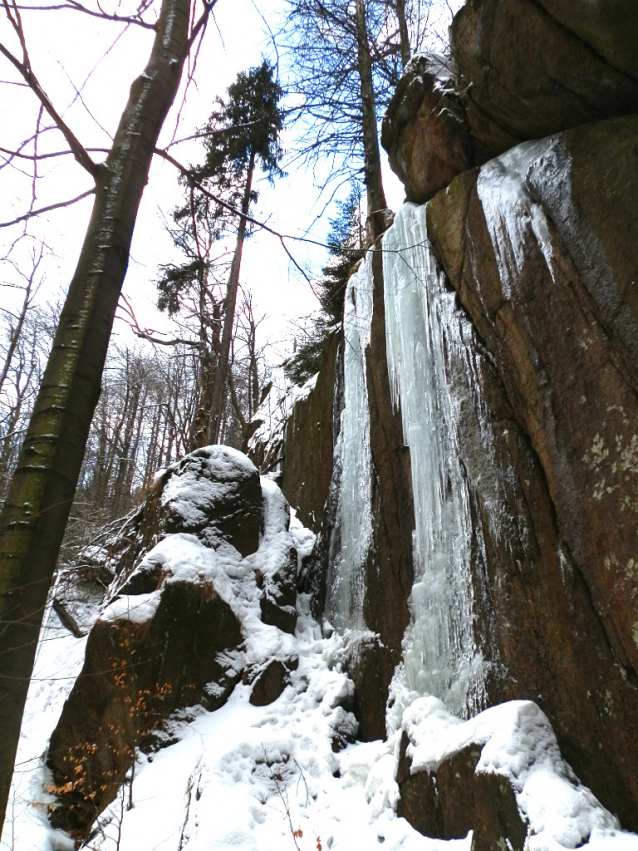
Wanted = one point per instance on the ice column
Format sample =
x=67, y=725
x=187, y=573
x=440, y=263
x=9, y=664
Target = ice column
x=425, y=335
x=352, y=535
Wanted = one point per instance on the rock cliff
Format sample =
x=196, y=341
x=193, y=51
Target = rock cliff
x=523, y=274
x=468, y=457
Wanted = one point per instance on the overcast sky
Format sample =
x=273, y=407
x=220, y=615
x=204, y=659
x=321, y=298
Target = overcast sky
x=68, y=54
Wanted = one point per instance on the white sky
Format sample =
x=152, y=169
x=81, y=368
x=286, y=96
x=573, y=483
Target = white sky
x=65, y=48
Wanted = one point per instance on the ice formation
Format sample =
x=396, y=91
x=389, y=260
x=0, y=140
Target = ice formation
x=352, y=535
x=509, y=209
x=425, y=334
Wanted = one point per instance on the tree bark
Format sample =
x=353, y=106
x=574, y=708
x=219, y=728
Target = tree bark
x=37, y=506
x=375, y=196
x=221, y=373
x=404, y=38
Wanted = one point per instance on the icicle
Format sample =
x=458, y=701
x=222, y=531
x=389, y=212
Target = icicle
x=509, y=209
x=425, y=339
x=352, y=536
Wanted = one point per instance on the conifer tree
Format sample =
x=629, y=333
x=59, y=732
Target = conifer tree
x=242, y=135
x=346, y=246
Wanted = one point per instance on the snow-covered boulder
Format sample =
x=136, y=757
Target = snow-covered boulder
x=211, y=603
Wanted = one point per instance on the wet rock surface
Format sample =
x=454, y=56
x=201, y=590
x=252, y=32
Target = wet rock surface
x=555, y=310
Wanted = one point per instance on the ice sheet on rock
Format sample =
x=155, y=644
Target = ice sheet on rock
x=519, y=743
x=352, y=535
x=510, y=211
x=425, y=337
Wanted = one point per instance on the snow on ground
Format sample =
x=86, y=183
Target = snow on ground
x=266, y=778
x=58, y=662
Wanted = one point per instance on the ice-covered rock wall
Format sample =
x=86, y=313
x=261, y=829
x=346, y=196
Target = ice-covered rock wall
x=425, y=334
x=351, y=536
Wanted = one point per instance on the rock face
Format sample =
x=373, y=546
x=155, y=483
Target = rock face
x=529, y=246
x=526, y=69
x=424, y=130
x=485, y=775
x=539, y=247
x=137, y=670
x=520, y=69
x=455, y=799
x=294, y=433
x=309, y=442
x=199, y=611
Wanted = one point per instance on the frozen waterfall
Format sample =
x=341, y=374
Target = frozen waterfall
x=352, y=535
x=425, y=335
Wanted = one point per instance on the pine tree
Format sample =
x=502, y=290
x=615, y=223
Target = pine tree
x=242, y=135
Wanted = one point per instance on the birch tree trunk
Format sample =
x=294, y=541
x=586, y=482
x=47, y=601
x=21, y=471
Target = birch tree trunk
x=37, y=507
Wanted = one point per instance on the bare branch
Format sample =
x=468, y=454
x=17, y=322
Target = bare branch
x=235, y=212
x=73, y=6
x=26, y=72
x=50, y=207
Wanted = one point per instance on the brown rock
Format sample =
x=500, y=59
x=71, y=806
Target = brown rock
x=271, y=682
x=389, y=570
x=370, y=666
x=278, y=602
x=213, y=493
x=134, y=676
x=454, y=799
x=309, y=444
x=609, y=27
x=223, y=502
x=424, y=130
x=556, y=592
x=528, y=69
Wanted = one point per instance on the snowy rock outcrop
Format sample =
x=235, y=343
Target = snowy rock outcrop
x=212, y=602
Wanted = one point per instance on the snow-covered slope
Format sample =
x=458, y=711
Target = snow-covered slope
x=290, y=774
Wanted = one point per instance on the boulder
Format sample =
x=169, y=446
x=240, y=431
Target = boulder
x=455, y=798
x=526, y=69
x=540, y=246
x=424, y=129
x=171, y=635
x=213, y=493
x=271, y=680
x=145, y=657
x=499, y=774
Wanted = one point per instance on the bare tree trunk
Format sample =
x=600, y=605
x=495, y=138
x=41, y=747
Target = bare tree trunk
x=375, y=195
x=37, y=507
x=221, y=373
x=404, y=38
